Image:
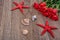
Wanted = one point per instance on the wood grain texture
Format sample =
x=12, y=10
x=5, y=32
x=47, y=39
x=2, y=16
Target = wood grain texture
x=11, y=27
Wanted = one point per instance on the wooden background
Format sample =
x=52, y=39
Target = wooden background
x=11, y=27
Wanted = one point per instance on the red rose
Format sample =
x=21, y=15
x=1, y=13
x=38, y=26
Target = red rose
x=36, y=6
x=55, y=17
x=42, y=4
x=45, y=14
x=55, y=11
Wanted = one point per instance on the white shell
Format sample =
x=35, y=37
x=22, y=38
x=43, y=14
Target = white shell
x=34, y=17
x=25, y=32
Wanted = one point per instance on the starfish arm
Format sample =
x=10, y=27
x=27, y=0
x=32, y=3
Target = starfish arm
x=46, y=23
x=15, y=3
x=51, y=33
x=25, y=6
x=44, y=31
x=21, y=10
x=22, y=3
x=53, y=28
x=14, y=8
x=40, y=25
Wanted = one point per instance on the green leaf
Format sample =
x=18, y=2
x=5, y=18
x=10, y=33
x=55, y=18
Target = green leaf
x=58, y=2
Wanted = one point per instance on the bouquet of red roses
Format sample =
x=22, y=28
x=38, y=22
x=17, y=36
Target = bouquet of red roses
x=48, y=12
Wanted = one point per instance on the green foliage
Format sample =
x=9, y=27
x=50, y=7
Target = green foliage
x=53, y=3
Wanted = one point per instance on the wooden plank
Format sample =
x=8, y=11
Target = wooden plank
x=56, y=32
x=6, y=21
x=1, y=11
x=15, y=24
x=29, y=36
x=37, y=30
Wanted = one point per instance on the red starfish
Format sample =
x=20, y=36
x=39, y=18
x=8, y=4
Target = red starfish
x=47, y=28
x=19, y=6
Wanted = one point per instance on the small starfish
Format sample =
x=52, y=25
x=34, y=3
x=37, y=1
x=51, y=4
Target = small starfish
x=47, y=28
x=19, y=6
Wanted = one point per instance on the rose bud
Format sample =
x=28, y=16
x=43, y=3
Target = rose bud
x=50, y=9
x=40, y=9
x=55, y=11
x=42, y=4
x=50, y=16
x=45, y=9
x=55, y=17
x=45, y=14
x=36, y=5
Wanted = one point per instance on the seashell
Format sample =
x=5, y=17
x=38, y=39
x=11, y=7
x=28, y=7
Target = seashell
x=25, y=21
x=34, y=18
x=25, y=32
